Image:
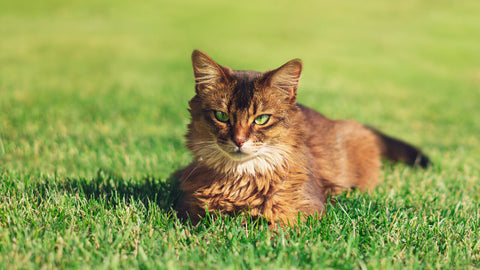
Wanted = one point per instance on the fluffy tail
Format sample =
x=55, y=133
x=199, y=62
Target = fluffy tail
x=398, y=150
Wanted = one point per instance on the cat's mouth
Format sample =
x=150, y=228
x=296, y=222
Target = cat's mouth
x=239, y=155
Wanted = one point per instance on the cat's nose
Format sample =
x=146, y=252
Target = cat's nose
x=239, y=141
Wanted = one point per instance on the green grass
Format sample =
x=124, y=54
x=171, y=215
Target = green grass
x=93, y=108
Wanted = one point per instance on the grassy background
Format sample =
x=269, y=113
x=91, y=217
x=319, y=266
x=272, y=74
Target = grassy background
x=93, y=107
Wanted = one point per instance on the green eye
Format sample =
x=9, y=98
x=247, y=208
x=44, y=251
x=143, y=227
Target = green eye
x=221, y=116
x=262, y=119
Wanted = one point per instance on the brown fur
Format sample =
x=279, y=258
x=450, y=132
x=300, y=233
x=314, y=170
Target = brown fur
x=289, y=165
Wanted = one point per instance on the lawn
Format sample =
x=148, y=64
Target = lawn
x=93, y=108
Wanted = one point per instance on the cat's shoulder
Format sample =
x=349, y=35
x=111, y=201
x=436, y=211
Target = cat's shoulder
x=311, y=114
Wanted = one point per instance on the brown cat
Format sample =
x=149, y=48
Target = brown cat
x=257, y=150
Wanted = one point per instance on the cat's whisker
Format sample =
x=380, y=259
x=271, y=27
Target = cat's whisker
x=291, y=155
x=201, y=142
x=266, y=158
x=273, y=160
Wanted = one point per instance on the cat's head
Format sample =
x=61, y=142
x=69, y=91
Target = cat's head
x=244, y=121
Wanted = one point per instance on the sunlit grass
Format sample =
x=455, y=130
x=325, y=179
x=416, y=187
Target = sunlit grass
x=93, y=108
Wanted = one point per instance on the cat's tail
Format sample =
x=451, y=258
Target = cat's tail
x=397, y=150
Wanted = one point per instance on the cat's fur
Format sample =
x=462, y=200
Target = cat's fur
x=289, y=165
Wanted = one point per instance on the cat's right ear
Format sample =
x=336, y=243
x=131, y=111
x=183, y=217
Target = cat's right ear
x=208, y=74
x=285, y=78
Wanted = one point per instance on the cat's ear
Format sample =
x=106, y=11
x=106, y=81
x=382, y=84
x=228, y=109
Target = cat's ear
x=208, y=74
x=285, y=78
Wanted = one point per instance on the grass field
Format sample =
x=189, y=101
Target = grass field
x=93, y=108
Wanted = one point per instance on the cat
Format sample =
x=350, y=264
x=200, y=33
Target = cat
x=257, y=150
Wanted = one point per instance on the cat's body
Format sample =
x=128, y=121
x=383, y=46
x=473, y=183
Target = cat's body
x=257, y=150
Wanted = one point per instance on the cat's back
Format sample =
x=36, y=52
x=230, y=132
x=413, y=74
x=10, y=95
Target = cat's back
x=320, y=131
x=314, y=121
x=344, y=150
x=333, y=135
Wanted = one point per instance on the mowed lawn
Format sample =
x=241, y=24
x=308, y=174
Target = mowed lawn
x=93, y=108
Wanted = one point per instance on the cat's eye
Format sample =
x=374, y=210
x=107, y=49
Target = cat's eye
x=262, y=119
x=221, y=116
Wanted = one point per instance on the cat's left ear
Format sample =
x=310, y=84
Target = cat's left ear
x=208, y=74
x=286, y=78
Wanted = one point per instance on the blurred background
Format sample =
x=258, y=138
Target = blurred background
x=88, y=85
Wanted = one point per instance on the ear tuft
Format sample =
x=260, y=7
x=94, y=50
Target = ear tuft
x=208, y=74
x=286, y=78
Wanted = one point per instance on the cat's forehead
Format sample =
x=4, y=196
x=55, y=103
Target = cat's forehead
x=249, y=75
x=244, y=91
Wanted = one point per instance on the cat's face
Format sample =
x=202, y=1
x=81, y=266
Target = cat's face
x=243, y=121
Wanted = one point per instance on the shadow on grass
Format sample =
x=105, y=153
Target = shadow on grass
x=113, y=189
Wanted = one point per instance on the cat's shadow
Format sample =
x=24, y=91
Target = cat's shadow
x=113, y=189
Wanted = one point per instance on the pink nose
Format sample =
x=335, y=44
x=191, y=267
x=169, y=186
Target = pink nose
x=239, y=141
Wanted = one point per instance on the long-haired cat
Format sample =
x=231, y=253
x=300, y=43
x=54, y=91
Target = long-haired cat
x=258, y=151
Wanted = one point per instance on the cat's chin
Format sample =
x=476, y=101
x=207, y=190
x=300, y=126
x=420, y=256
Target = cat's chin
x=240, y=156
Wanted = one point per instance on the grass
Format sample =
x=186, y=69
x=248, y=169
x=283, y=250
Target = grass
x=93, y=108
